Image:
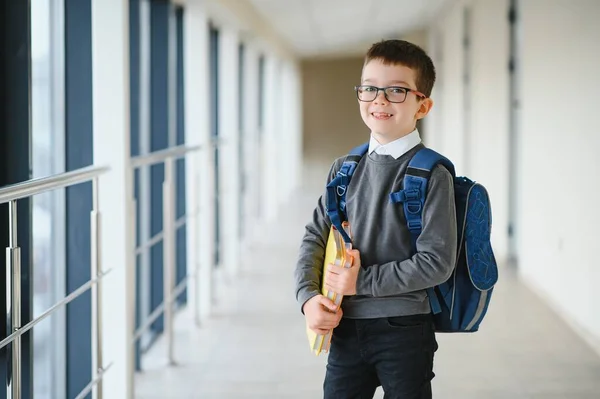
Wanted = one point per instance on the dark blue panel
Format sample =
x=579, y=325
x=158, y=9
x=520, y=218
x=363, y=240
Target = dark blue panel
x=159, y=139
x=134, y=89
x=214, y=117
x=180, y=184
x=79, y=153
x=180, y=115
x=138, y=299
x=138, y=315
x=180, y=77
x=134, y=74
x=15, y=144
x=214, y=79
x=181, y=257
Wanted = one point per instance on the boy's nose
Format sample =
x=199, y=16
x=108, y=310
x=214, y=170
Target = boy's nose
x=380, y=97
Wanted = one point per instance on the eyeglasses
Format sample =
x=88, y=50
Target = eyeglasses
x=394, y=94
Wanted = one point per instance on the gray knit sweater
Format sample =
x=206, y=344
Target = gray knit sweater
x=392, y=280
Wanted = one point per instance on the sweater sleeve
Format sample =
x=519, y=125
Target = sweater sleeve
x=308, y=270
x=436, y=247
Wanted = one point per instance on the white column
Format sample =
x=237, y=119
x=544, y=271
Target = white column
x=110, y=57
x=281, y=134
x=199, y=167
x=291, y=130
x=285, y=133
x=270, y=151
x=297, y=126
x=229, y=160
x=250, y=140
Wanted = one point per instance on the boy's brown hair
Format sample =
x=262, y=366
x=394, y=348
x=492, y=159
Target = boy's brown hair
x=400, y=52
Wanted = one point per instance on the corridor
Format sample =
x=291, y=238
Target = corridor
x=159, y=160
x=254, y=345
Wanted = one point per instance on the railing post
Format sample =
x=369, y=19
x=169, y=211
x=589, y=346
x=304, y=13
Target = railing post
x=96, y=292
x=169, y=253
x=196, y=221
x=13, y=306
x=131, y=298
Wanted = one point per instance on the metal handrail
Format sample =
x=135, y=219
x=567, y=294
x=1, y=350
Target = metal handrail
x=160, y=308
x=174, y=152
x=162, y=155
x=66, y=300
x=32, y=187
x=88, y=388
x=155, y=239
x=167, y=235
x=11, y=194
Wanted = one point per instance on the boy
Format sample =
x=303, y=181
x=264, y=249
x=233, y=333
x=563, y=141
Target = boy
x=386, y=335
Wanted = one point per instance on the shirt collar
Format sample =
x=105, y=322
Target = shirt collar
x=398, y=147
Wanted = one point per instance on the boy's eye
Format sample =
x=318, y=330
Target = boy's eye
x=368, y=88
x=396, y=90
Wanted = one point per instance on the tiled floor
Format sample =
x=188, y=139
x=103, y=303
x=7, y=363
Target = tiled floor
x=254, y=346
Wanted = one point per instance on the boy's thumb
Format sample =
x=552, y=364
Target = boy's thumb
x=328, y=303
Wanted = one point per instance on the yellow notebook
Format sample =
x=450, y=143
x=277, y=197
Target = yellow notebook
x=335, y=253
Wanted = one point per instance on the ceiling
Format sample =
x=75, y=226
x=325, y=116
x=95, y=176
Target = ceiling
x=335, y=27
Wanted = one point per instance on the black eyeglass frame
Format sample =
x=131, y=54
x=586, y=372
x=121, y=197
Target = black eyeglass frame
x=384, y=89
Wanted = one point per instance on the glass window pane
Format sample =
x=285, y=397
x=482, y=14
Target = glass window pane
x=48, y=209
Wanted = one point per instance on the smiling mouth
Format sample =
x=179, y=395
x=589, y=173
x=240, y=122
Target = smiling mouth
x=381, y=115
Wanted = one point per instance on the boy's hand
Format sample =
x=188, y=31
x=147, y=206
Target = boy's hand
x=321, y=314
x=342, y=280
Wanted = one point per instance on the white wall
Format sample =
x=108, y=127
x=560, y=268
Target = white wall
x=476, y=142
x=487, y=146
x=290, y=129
x=228, y=149
x=449, y=133
x=278, y=154
x=296, y=125
x=558, y=139
x=251, y=136
x=269, y=162
x=115, y=189
x=199, y=167
x=271, y=152
x=560, y=165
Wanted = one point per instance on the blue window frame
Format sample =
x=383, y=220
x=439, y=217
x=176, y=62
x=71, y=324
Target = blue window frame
x=180, y=139
x=135, y=137
x=159, y=140
x=79, y=153
x=15, y=146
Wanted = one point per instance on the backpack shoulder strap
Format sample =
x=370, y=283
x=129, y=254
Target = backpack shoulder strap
x=414, y=192
x=413, y=197
x=337, y=187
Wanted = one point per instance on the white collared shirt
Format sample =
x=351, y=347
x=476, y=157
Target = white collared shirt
x=398, y=147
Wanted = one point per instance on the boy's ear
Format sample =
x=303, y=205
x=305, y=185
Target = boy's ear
x=424, y=108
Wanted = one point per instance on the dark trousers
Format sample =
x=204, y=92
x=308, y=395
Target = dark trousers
x=394, y=352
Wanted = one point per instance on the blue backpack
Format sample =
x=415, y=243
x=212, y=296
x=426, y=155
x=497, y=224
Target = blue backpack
x=460, y=303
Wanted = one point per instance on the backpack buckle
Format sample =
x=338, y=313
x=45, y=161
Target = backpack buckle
x=413, y=207
x=412, y=195
x=414, y=225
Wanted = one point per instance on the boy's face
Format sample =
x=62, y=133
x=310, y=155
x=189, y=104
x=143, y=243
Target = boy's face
x=389, y=121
